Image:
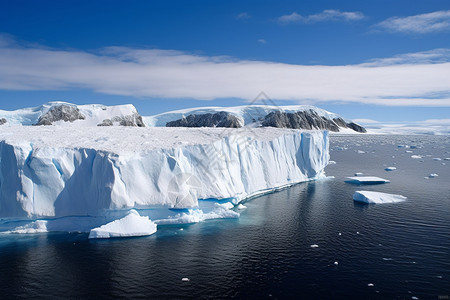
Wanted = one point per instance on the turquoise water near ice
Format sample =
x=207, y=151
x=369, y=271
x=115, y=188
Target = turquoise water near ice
x=402, y=249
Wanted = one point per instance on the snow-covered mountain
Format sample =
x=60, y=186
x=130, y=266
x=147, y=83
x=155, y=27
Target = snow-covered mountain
x=294, y=116
x=67, y=114
x=63, y=113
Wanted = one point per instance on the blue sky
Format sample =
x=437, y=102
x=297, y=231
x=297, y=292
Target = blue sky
x=382, y=60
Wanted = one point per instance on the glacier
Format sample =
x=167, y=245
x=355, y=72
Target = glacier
x=65, y=171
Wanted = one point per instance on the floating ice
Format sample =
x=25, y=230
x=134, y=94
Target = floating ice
x=366, y=180
x=437, y=158
x=432, y=175
x=361, y=152
x=131, y=225
x=241, y=207
x=390, y=168
x=331, y=162
x=185, y=279
x=370, y=284
x=359, y=174
x=447, y=158
x=377, y=197
x=37, y=226
x=336, y=263
x=197, y=215
x=416, y=156
x=314, y=246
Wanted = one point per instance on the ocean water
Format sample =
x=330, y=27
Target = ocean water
x=385, y=251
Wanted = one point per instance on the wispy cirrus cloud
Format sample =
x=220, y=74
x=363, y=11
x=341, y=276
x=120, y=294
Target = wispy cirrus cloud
x=326, y=15
x=243, y=16
x=155, y=73
x=419, y=24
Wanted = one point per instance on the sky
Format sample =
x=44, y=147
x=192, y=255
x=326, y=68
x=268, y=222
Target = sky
x=371, y=60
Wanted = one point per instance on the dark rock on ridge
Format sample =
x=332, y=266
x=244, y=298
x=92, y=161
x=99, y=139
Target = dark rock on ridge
x=61, y=112
x=219, y=119
x=308, y=119
x=3, y=121
x=130, y=120
x=106, y=122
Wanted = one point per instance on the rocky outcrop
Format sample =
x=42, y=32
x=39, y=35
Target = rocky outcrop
x=308, y=119
x=130, y=120
x=63, y=112
x=2, y=121
x=219, y=119
x=356, y=127
x=106, y=122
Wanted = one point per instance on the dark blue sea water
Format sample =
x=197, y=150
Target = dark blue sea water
x=403, y=249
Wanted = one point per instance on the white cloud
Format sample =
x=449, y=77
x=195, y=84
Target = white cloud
x=438, y=121
x=243, y=16
x=175, y=74
x=419, y=24
x=425, y=57
x=326, y=15
x=365, y=121
x=262, y=41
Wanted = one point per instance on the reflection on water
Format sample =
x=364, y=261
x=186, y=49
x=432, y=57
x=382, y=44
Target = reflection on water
x=402, y=248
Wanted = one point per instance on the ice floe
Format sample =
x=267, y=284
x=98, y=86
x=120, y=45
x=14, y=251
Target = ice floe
x=366, y=180
x=390, y=169
x=377, y=197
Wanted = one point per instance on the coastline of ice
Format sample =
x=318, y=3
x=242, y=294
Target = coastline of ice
x=51, y=172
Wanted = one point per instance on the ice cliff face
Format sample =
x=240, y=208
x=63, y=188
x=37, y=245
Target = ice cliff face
x=51, y=171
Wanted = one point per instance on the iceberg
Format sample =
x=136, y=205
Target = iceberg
x=131, y=225
x=50, y=171
x=377, y=197
x=366, y=180
x=390, y=169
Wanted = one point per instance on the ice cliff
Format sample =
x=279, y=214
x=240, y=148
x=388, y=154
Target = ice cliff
x=52, y=171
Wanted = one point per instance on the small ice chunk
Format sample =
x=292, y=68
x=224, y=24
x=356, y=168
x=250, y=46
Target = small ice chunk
x=432, y=175
x=226, y=205
x=437, y=158
x=357, y=232
x=390, y=168
x=339, y=233
x=361, y=152
x=447, y=158
x=336, y=263
x=314, y=246
x=377, y=197
x=366, y=180
x=38, y=226
x=408, y=151
x=130, y=225
x=416, y=156
x=241, y=207
x=331, y=162
x=185, y=279
x=359, y=174
x=370, y=284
